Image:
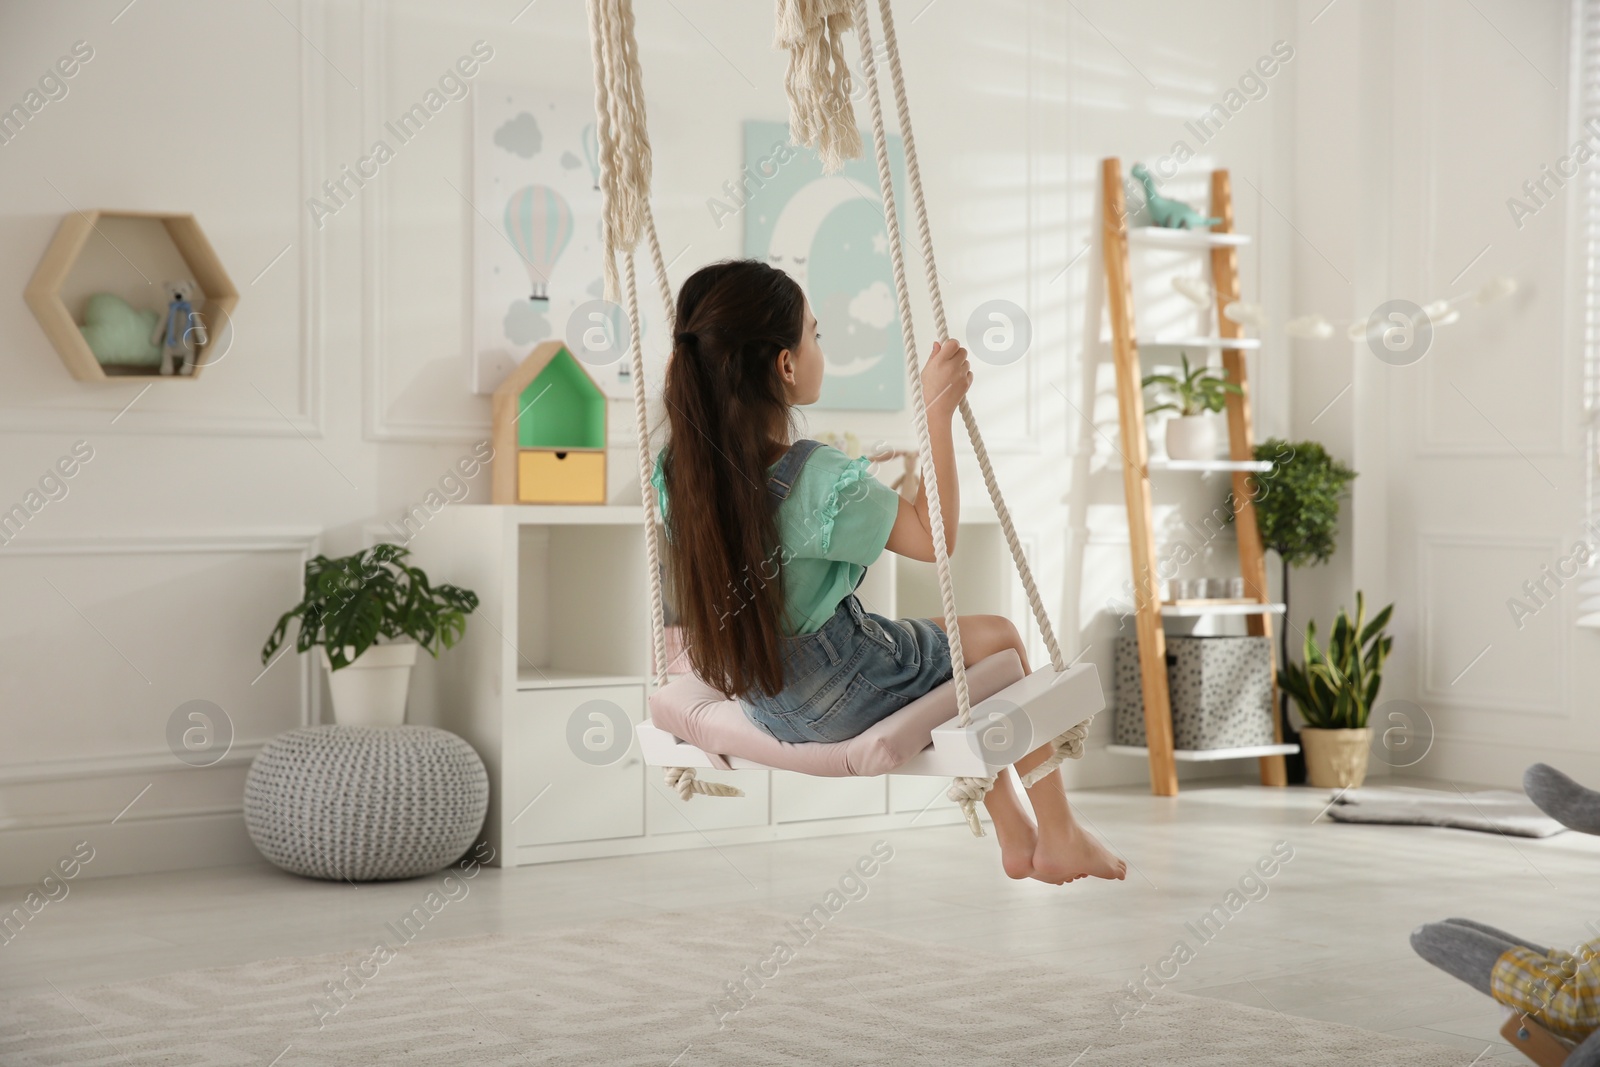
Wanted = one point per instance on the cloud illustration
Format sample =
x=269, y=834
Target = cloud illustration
x=525, y=323
x=520, y=136
x=873, y=306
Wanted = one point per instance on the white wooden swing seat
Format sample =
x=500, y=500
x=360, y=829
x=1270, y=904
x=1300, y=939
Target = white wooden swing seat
x=692, y=725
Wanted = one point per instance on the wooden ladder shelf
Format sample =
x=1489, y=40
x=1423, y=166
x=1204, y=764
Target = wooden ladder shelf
x=1223, y=245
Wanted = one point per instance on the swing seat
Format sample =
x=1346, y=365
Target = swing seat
x=693, y=725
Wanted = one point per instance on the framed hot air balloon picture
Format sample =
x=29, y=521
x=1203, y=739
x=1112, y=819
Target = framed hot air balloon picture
x=536, y=235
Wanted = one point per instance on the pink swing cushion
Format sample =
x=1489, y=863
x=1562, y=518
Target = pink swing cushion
x=692, y=711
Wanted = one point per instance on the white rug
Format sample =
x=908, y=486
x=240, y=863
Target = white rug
x=649, y=991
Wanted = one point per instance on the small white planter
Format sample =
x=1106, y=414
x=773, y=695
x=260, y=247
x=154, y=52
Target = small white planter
x=1192, y=437
x=372, y=690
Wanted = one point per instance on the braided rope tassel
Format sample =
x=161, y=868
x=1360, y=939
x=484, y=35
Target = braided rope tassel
x=818, y=79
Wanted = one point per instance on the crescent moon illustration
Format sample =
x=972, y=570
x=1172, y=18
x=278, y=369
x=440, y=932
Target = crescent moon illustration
x=853, y=368
x=796, y=229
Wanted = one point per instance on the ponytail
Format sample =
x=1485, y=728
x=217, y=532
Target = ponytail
x=726, y=412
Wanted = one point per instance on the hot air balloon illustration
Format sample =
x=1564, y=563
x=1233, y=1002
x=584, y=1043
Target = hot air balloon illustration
x=539, y=223
x=591, y=152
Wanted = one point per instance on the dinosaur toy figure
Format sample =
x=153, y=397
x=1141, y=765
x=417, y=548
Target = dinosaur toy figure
x=1171, y=214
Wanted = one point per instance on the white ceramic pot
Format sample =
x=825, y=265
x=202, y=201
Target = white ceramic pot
x=372, y=690
x=1192, y=437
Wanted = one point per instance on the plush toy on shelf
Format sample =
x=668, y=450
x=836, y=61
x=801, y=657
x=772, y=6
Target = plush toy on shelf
x=1171, y=214
x=118, y=334
x=180, y=332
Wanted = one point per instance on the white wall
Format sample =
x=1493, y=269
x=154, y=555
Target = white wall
x=345, y=396
x=1471, y=460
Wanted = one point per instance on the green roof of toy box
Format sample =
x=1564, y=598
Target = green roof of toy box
x=562, y=408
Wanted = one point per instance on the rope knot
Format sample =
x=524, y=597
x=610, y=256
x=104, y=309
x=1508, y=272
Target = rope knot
x=1068, y=746
x=684, y=782
x=969, y=792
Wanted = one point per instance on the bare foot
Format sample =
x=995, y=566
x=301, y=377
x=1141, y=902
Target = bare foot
x=1017, y=846
x=1019, y=839
x=1068, y=853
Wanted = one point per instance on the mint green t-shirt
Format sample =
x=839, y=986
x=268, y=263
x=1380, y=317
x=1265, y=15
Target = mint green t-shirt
x=832, y=527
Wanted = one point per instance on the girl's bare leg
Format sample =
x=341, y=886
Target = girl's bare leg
x=1014, y=828
x=1059, y=850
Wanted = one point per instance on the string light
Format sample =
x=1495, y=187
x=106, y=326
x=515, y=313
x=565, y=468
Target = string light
x=1316, y=327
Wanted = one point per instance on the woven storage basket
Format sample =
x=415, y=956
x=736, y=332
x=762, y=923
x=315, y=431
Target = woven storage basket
x=1220, y=689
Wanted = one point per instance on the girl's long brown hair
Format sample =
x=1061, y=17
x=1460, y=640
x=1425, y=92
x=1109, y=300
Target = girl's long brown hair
x=726, y=409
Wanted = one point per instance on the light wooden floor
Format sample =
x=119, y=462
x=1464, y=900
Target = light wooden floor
x=1328, y=941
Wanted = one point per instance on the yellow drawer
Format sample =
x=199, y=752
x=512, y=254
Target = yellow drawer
x=545, y=476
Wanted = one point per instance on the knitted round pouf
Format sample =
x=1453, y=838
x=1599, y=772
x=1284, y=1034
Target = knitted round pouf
x=365, y=803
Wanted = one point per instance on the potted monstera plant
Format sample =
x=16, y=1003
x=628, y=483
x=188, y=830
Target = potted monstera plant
x=1335, y=689
x=1197, y=395
x=368, y=613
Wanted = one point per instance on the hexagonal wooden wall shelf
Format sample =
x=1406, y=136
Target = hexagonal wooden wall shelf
x=44, y=291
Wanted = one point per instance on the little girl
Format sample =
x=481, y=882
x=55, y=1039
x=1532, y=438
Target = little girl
x=768, y=537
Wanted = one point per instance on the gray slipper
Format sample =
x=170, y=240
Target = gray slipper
x=1564, y=800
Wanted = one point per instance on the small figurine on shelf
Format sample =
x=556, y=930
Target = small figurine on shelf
x=1172, y=214
x=847, y=442
x=180, y=333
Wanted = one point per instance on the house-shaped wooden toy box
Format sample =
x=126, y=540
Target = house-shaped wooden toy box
x=549, y=432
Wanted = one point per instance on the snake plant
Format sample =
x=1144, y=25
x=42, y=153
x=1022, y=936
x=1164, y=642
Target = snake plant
x=1335, y=689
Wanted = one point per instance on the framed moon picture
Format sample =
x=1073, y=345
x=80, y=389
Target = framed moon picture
x=536, y=231
x=828, y=233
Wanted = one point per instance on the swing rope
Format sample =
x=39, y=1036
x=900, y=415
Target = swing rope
x=821, y=115
x=1068, y=745
x=965, y=791
x=624, y=150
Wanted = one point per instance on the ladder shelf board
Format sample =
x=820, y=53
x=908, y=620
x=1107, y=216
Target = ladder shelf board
x=1206, y=755
x=1234, y=343
x=1162, y=236
x=1211, y=465
x=1229, y=606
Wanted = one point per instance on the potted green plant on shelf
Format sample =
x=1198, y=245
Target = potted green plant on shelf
x=369, y=613
x=1296, y=503
x=1196, y=395
x=1335, y=690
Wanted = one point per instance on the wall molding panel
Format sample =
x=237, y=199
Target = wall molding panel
x=1527, y=700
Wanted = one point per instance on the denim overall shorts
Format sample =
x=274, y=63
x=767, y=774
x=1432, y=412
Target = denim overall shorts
x=857, y=669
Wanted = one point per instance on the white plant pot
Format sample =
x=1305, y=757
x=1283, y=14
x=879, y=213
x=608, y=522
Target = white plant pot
x=372, y=690
x=1192, y=437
